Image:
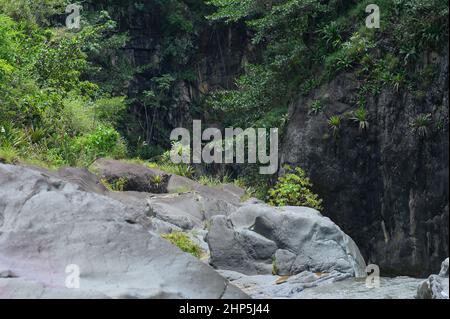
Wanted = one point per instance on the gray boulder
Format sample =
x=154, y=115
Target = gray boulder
x=132, y=177
x=436, y=286
x=48, y=224
x=444, y=268
x=300, y=238
x=174, y=199
x=239, y=250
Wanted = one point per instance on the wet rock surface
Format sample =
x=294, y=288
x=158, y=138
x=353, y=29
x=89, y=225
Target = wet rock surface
x=436, y=286
x=309, y=285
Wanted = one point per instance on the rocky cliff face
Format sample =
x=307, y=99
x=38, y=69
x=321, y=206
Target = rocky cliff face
x=207, y=58
x=386, y=186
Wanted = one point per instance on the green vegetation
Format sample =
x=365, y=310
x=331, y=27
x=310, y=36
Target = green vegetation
x=49, y=110
x=421, y=124
x=360, y=116
x=182, y=241
x=68, y=98
x=274, y=266
x=316, y=107
x=334, y=123
x=294, y=189
x=116, y=185
x=157, y=180
x=298, y=37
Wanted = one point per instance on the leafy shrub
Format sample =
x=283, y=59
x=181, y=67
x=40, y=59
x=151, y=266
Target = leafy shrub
x=331, y=35
x=49, y=110
x=294, y=189
x=104, y=141
x=182, y=241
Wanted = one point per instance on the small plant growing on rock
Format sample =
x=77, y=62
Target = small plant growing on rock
x=421, y=124
x=182, y=241
x=294, y=189
x=184, y=170
x=8, y=155
x=116, y=185
x=334, y=123
x=316, y=107
x=397, y=81
x=157, y=180
x=274, y=266
x=360, y=116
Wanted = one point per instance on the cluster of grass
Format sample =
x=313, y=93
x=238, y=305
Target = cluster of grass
x=116, y=185
x=182, y=241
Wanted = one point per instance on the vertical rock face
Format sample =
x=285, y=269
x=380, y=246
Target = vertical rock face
x=219, y=54
x=386, y=186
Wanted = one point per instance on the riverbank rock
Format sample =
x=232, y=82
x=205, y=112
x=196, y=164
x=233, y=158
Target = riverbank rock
x=132, y=177
x=51, y=230
x=177, y=200
x=436, y=286
x=259, y=239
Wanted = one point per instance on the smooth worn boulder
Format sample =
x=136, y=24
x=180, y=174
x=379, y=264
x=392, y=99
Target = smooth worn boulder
x=300, y=239
x=436, y=286
x=132, y=177
x=191, y=209
x=177, y=200
x=52, y=230
x=239, y=250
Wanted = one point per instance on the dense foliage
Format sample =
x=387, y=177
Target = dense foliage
x=67, y=97
x=294, y=189
x=50, y=111
x=306, y=42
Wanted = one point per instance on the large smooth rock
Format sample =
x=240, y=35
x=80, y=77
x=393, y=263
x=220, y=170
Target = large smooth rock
x=436, y=286
x=177, y=200
x=47, y=223
x=135, y=177
x=240, y=250
x=301, y=240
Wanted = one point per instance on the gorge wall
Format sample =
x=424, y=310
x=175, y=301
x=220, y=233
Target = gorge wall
x=387, y=186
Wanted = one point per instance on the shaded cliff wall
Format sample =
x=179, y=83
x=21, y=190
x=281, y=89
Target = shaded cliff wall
x=205, y=56
x=386, y=186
